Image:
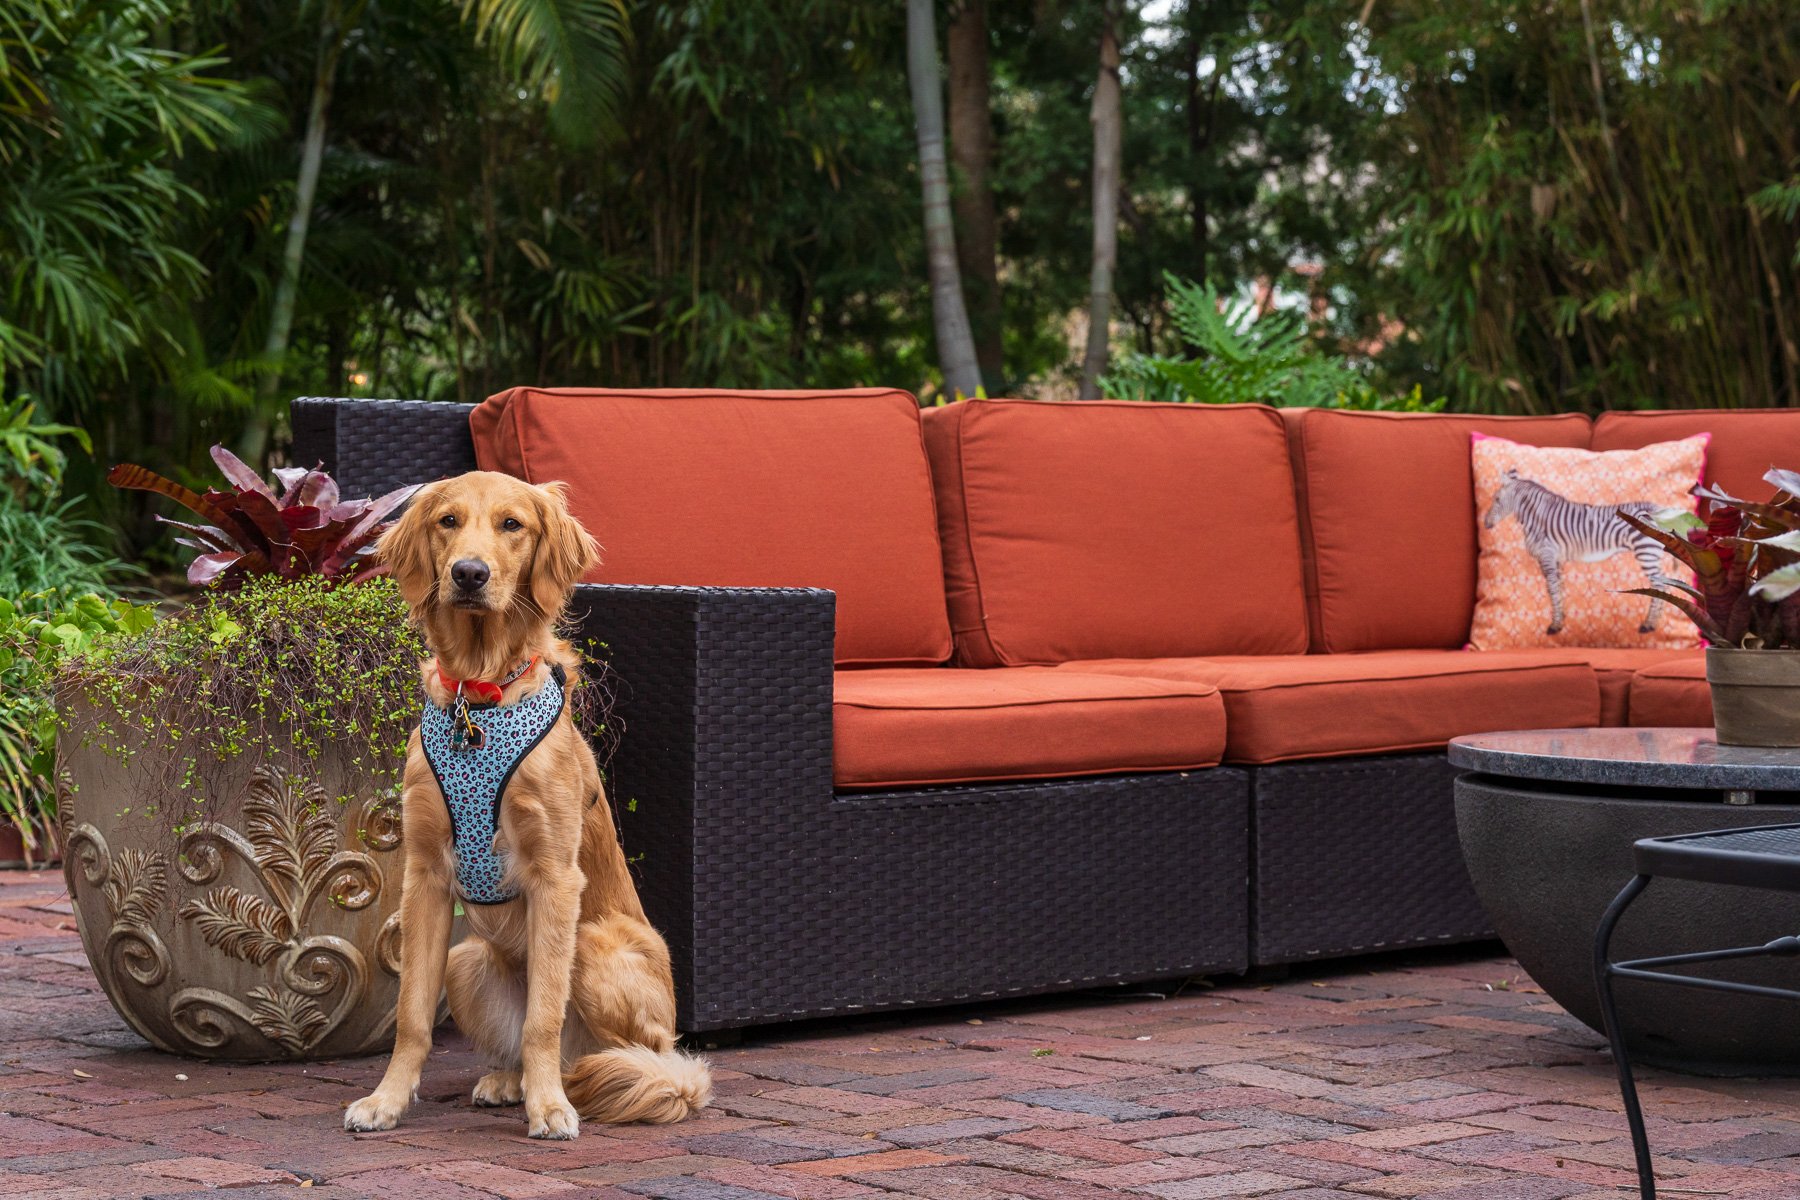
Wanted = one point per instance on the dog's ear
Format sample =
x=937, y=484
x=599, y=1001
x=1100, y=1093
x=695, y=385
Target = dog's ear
x=406, y=548
x=565, y=550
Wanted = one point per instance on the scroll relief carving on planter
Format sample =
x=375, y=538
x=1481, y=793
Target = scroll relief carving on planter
x=305, y=883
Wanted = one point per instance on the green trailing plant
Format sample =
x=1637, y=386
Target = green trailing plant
x=38, y=632
x=299, y=529
x=1241, y=356
x=276, y=660
x=1745, y=556
x=282, y=670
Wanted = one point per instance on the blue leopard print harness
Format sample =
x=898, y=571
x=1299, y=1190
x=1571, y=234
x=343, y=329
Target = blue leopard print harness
x=473, y=750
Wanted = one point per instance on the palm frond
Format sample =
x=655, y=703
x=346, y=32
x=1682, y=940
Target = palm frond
x=572, y=53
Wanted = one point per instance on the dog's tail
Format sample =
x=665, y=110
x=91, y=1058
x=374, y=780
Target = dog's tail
x=636, y=1083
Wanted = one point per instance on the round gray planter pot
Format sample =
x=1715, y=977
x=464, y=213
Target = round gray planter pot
x=1547, y=859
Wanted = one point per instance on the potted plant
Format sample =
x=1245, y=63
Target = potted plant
x=1745, y=599
x=229, y=780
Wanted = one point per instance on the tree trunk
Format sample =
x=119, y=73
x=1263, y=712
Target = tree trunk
x=1109, y=132
x=972, y=150
x=955, y=344
x=1202, y=105
x=255, y=443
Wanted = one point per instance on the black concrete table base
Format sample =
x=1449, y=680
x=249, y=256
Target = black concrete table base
x=1547, y=857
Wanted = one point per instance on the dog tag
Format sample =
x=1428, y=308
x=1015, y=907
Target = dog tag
x=465, y=734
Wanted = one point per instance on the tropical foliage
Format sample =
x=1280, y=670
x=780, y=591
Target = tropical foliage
x=1745, y=556
x=1242, y=355
x=38, y=633
x=1583, y=204
x=97, y=110
x=206, y=208
x=299, y=528
x=56, y=597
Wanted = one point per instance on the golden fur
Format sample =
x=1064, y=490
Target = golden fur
x=569, y=972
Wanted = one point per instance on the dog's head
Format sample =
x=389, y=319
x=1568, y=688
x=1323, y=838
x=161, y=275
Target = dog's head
x=488, y=544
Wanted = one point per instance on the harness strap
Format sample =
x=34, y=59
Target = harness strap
x=473, y=774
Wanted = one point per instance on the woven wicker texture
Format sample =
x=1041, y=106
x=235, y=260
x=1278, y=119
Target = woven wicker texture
x=1358, y=855
x=374, y=446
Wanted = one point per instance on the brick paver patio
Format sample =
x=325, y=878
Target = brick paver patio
x=1441, y=1076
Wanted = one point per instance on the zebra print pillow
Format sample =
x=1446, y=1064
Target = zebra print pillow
x=1557, y=564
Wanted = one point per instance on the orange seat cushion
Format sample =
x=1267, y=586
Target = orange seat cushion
x=746, y=489
x=1672, y=693
x=1745, y=441
x=1324, y=705
x=906, y=727
x=1116, y=529
x=1390, y=520
x=1615, y=668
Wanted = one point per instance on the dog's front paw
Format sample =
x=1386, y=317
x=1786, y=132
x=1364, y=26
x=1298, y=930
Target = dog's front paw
x=372, y=1113
x=498, y=1089
x=554, y=1121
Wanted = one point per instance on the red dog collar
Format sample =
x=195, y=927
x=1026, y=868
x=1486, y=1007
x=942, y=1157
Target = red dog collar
x=480, y=690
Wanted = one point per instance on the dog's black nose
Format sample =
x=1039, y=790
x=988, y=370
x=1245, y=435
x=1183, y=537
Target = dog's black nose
x=469, y=574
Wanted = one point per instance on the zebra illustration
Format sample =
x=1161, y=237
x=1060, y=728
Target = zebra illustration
x=1559, y=530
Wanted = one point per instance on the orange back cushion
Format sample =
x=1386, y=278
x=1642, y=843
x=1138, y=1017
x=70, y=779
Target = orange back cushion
x=1745, y=441
x=1390, y=521
x=746, y=489
x=1113, y=529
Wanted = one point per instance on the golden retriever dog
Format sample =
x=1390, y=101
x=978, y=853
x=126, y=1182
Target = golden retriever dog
x=562, y=984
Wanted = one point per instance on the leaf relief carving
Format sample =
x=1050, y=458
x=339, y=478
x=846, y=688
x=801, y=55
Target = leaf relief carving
x=136, y=886
x=288, y=1019
x=242, y=925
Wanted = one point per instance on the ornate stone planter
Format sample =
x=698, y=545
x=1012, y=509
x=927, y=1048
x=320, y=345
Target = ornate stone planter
x=268, y=928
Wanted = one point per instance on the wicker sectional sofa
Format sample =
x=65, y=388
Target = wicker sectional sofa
x=1008, y=697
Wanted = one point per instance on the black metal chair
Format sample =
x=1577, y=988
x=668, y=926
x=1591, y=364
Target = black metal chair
x=1764, y=856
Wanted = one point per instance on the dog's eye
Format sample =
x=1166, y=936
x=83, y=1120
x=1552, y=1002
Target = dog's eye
x=448, y=520
x=511, y=525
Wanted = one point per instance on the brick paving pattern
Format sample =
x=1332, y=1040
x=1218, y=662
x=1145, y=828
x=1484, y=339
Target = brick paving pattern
x=1442, y=1076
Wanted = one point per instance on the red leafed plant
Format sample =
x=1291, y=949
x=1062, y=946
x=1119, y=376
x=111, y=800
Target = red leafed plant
x=299, y=530
x=1745, y=556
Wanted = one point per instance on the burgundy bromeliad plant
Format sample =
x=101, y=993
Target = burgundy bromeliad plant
x=1745, y=556
x=299, y=529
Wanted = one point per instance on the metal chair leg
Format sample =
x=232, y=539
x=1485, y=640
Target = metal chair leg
x=1609, y=1015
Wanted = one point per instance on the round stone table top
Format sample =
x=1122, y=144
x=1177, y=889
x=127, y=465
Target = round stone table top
x=1661, y=758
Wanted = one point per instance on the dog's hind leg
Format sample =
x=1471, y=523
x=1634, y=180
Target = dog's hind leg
x=487, y=998
x=626, y=1003
x=621, y=985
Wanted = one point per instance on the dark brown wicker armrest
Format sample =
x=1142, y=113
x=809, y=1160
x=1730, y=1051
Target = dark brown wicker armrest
x=721, y=772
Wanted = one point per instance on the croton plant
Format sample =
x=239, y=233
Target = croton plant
x=298, y=528
x=1745, y=556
